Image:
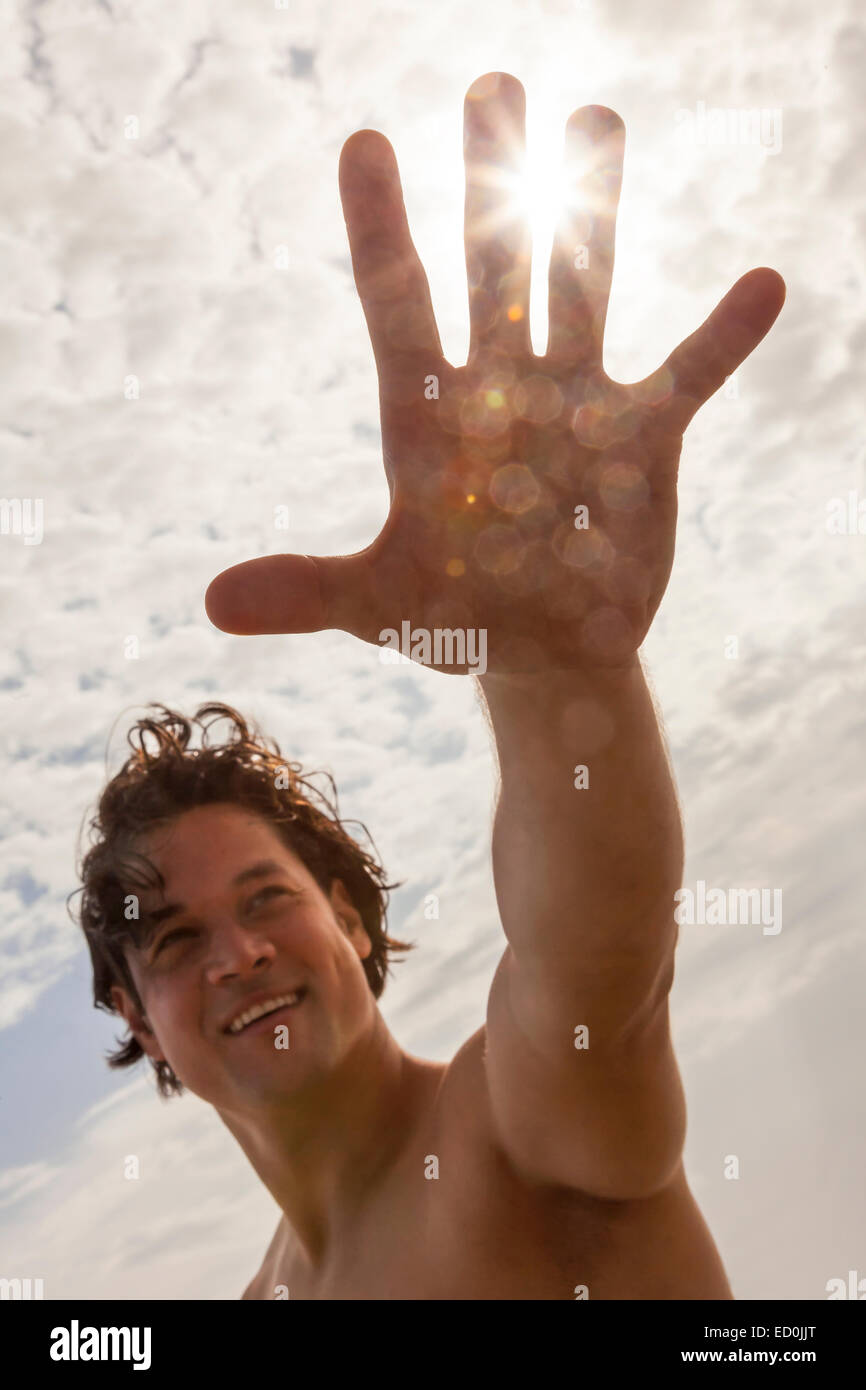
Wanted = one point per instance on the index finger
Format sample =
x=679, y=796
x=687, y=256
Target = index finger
x=389, y=276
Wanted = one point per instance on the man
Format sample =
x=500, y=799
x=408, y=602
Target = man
x=533, y=503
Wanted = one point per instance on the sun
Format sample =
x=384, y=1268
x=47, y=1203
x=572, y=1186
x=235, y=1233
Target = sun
x=548, y=196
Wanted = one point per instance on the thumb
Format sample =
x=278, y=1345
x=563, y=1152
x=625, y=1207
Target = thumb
x=702, y=362
x=288, y=593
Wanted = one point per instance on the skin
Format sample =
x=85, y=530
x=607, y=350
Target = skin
x=560, y=1168
x=308, y=1118
x=340, y=1126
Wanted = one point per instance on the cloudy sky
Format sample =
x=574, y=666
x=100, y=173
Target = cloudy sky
x=171, y=218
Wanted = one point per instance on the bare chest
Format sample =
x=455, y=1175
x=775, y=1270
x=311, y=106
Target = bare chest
x=470, y=1228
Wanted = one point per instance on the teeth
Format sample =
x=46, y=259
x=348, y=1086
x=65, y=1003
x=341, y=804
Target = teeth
x=258, y=1010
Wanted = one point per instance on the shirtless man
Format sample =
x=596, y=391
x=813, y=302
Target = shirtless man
x=532, y=500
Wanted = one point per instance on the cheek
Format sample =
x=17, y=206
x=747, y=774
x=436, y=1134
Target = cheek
x=184, y=1032
x=311, y=940
x=325, y=950
x=174, y=1011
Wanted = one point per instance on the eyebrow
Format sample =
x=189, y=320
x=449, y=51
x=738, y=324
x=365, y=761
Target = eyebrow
x=263, y=869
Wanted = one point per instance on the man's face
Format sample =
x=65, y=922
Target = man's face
x=250, y=921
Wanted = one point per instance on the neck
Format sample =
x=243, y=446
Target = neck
x=321, y=1154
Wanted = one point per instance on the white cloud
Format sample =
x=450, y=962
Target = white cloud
x=154, y=258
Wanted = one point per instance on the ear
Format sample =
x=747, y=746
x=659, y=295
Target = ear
x=350, y=919
x=137, y=1022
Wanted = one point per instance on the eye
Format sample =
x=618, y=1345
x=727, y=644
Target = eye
x=264, y=894
x=172, y=936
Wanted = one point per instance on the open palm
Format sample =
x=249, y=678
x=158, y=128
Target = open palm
x=531, y=497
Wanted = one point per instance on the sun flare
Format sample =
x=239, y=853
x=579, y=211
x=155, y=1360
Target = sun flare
x=544, y=192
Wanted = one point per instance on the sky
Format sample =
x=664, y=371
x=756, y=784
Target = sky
x=182, y=353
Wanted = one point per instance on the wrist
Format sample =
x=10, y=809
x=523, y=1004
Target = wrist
x=552, y=687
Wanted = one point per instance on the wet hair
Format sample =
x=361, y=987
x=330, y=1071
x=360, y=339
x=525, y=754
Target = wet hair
x=158, y=784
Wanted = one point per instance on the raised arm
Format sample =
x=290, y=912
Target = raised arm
x=587, y=856
x=533, y=509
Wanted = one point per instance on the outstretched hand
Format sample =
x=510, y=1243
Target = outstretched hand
x=531, y=497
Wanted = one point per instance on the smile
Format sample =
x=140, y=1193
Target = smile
x=252, y=1015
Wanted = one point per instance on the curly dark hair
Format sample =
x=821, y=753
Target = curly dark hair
x=155, y=786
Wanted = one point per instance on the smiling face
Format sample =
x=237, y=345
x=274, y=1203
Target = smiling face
x=242, y=919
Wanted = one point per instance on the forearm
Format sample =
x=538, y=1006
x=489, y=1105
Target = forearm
x=585, y=877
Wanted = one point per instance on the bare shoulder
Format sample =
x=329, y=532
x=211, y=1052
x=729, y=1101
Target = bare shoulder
x=467, y=1110
x=465, y=1099
x=264, y=1282
x=465, y=1072
x=659, y=1241
x=463, y=1103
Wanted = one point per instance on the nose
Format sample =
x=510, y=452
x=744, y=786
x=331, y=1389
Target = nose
x=237, y=950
